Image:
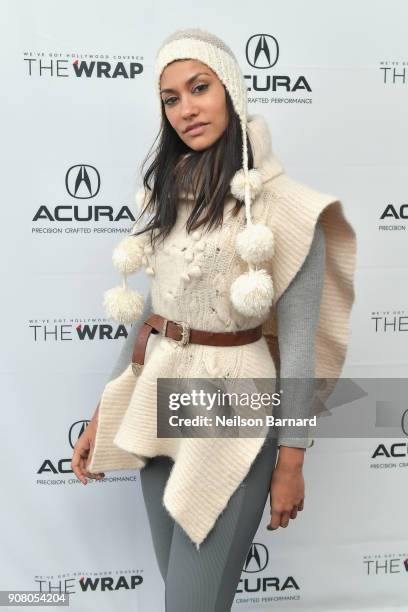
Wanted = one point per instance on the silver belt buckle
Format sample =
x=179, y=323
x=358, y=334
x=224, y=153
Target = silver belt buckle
x=164, y=328
x=185, y=335
x=136, y=368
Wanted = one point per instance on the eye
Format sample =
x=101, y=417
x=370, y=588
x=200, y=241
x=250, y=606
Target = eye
x=205, y=85
x=166, y=101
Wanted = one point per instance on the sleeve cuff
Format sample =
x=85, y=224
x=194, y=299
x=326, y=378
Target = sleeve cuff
x=296, y=442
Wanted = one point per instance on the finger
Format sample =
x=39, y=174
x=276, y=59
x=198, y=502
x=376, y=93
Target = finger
x=79, y=457
x=78, y=465
x=275, y=520
x=94, y=476
x=301, y=505
x=90, y=455
x=82, y=467
x=285, y=516
x=87, y=473
x=76, y=468
x=97, y=475
x=270, y=527
x=294, y=512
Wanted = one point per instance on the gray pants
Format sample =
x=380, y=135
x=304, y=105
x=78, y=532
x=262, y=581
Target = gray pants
x=205, y=580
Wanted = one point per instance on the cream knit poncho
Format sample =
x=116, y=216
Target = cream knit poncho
x=191, y=276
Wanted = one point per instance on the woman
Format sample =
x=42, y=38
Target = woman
x=237, y=248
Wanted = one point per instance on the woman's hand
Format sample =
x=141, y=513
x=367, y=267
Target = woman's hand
x=287, y=487
x=83, y=450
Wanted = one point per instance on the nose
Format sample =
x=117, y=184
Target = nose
x=187, y=107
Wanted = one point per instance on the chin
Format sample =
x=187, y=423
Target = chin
x=199, y=146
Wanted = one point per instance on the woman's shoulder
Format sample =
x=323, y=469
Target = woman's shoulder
x=293, y=193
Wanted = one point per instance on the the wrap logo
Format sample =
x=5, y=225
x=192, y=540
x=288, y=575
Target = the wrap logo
x=63, y=65
x=385, y=564
x=114, y=581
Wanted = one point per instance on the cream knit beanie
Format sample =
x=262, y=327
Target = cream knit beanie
x=252, y=292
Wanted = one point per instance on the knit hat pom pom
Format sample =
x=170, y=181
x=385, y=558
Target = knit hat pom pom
x=252, y=293
x=238, y=184
x=123, y=304
x=127, y=255
x=255, y=243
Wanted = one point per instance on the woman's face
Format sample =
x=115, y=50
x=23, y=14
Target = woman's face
x=192, y=93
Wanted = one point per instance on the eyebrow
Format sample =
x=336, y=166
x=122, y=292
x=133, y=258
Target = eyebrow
x=190, y=80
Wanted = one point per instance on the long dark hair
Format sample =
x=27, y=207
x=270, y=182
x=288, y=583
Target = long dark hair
x=206, y=174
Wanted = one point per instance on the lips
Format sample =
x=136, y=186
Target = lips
x=195, y=125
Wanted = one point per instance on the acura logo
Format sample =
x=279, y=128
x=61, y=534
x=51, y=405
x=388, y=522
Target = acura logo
x=262, y=51
x=257, y=558
x=76, y=430
x=404, y=422
x=82, y=181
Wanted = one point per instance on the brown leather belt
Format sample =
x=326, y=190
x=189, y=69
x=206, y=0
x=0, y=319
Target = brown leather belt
x=183, y=334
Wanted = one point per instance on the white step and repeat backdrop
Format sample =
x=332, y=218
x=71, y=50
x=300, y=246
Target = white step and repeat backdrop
x=78, y=115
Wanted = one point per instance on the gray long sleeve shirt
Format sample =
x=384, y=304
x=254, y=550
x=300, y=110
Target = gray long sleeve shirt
x=298, y=311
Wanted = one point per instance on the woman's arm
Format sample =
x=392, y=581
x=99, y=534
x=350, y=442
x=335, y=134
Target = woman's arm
x=298, y=311
x=297, y=318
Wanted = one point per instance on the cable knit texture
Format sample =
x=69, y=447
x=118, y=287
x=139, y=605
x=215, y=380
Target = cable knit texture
x=297, y=313
x=191, y=277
